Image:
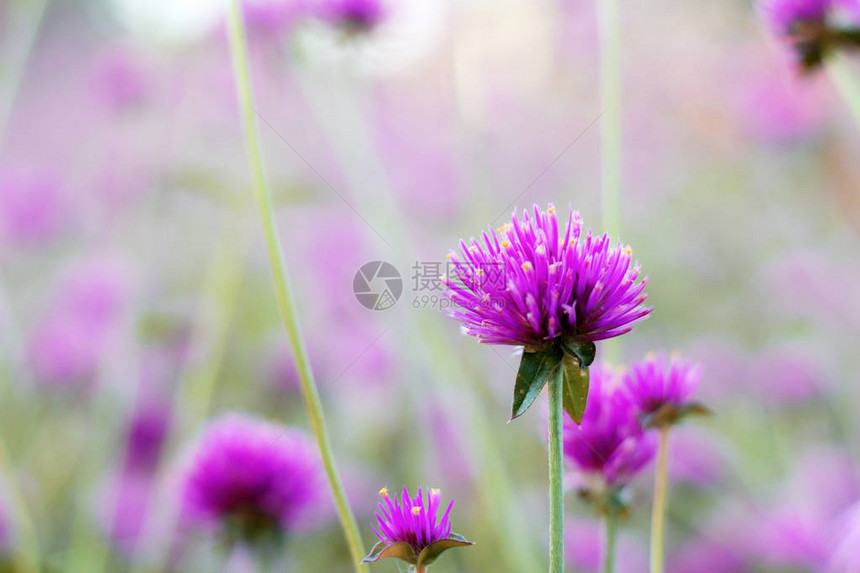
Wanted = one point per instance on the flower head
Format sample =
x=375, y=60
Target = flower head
x=661, y=388
x=530, y=283
x=813, y=28
x=353, y=16
x=609, y=447
x=409, y=529
x=253, y=478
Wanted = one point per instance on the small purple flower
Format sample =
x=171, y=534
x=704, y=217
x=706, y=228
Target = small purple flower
x=609, y=447
x=531, y=283
x=254, y=479
x=145, y=437
x=31, y=208
x=661, y=389
x=813, y=28
x=410, y=530
x=353, y=16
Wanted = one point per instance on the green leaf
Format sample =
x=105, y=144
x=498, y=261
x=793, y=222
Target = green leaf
x=574, y=389
x=535, y=370
x=402, y=551
x=434, y=550
x=584, y=351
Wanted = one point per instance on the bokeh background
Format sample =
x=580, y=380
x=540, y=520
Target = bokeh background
x=136, y=301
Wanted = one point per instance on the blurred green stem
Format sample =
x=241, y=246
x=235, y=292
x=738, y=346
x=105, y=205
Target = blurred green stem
x=283, y=291
x=609, y=549
x=26, y=549
x=658, y=513
x=846, y=83
x=556, y=490
x=609, y=26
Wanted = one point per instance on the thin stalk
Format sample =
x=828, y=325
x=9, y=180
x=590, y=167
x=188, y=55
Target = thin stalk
x=658, y=513
x=556, y=491
x=846, y=83
x=283, y=290
x=25, y=554
x=609, y=29
x=420, y=570
x=609, y=549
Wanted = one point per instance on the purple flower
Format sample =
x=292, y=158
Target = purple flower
x=70, y=340
x=253, y=478
x=609, y=447
x=31, y=208
x=813, y=28
x=145, y=438
x=410, y=529
x=353, y=15
x=661, y=389
x=845, y=557
x=272, y=16
x=531, y=283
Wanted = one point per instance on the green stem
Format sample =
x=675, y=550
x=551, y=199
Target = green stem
x=283, y=291
x=26, y=549
x=556, y=491
x=658, y=514
x=609, y=550
x=846, y=83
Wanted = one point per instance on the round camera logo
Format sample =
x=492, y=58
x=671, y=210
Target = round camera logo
x=377, y=285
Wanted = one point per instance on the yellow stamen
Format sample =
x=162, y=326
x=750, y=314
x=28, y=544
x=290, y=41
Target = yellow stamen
x=435, y=491
x=540, y=250
x=506, y=244
x=416, y=510
x=551, y=210
x=527, y=266
x=384, y=492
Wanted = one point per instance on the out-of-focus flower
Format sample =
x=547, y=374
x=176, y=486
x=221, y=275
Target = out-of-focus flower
x=70, y=340
x=353, y=16
x=790, y=374
x=583, y=549
x=31, y=208
x=532, y=284
x=253, y=479
x=410, y=529
x=146, y=435
x=704, y=554
x=695, y=458
x=793, y=539
x=813, y=28
x=609, y=447
x=661, y=388
x=119, y=79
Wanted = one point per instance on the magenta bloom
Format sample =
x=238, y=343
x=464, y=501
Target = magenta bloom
x=813, y=28
x=661, y=389
x=609, y=447
x=410, y=530
x=353, y=15
x=530, y=283
x=31, y=208
x=253, y=478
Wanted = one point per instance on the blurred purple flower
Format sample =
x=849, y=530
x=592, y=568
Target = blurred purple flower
x=353, y=15
x=253, y=478
x=705, y=554
x=535, y=286
x=810, y=26
x=147, y=432
x=661, y=388
x=610, y=444
x=695, y=458
x=410, y=529
x=31, y=208
x=790, y=375
x=127, y=506
x=793, y=539
x=119, y=79
x=68, y=343
x=583, y=549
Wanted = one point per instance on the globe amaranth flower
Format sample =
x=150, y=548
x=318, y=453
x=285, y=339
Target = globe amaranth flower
x=553, y=290
x=409, y=529
x=353, y=16
x=813, y=28
x=609, y=448
x=661, y=389
x=253, y=479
